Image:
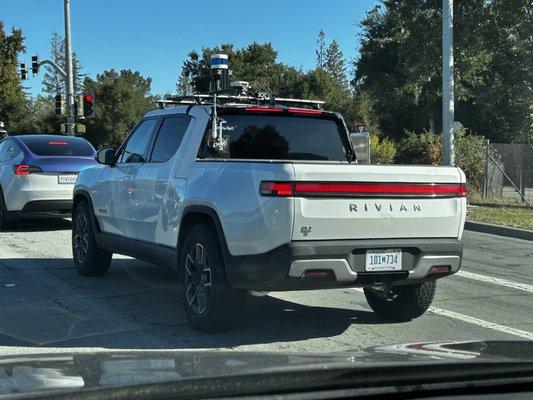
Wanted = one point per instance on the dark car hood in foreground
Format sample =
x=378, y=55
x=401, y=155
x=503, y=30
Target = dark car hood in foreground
x=32, y=374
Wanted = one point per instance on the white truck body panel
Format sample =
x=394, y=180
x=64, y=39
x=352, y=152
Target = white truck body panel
x=376, y=218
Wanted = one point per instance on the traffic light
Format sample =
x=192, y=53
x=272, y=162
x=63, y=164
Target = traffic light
x=79, y=106
x=88, y=105
x=23, y=71
x=61, y=104
x=35, y=64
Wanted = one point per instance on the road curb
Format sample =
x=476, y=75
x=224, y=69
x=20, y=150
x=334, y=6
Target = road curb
x=499, y=230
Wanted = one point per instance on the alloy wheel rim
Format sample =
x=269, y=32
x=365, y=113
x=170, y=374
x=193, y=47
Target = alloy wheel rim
x=81, y=238
x=197, y=278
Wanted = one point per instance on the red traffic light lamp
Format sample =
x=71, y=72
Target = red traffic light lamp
x=88, y=105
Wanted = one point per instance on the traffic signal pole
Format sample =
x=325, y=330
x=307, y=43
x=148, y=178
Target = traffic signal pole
x=447, y=82
x=69, y=78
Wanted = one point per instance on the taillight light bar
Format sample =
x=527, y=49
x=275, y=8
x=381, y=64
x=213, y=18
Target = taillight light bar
x=363, y=189
x=25, y=169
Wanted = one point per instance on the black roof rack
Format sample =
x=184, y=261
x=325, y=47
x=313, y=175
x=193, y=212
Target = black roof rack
x=236, y=100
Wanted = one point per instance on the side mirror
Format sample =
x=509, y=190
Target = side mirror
x=361, y=146
x=106, y=156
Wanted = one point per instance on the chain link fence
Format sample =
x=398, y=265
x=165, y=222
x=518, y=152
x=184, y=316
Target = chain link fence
x=509, y=172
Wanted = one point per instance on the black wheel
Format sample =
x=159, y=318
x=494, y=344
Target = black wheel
x=210, y=302
x=89, y=259
x=402, y=303
x=4, y=222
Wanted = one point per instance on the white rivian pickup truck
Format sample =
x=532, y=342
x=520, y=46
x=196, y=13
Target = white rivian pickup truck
x=259, y=196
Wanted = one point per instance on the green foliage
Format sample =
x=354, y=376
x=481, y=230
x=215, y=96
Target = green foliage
x=39, y=116
x=399, y=68
x=426, y=148
x=121, y=99
x=54, y=83
x=382, y=151
x=420, y=148
x=470, y=157
x=257, y=64
x=334, y=64
x=12, y=99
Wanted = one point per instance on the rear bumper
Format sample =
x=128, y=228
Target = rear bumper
x=47, y=208
x=24, y=199
x=285, y=267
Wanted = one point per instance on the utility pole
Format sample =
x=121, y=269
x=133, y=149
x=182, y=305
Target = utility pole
x=447, y=82
x=69, y=78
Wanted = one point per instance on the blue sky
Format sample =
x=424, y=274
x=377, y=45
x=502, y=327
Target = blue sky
x=154, y=37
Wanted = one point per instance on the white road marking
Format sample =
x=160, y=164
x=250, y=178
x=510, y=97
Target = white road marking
x=497, y=281
x=482, y=323
x=476, y=321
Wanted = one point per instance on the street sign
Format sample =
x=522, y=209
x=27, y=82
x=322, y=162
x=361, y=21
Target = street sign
x=360, y=127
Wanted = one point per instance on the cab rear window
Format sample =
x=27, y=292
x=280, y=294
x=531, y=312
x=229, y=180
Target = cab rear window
x=273, y=137
x=63, y=147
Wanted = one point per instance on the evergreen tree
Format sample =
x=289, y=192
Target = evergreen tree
x=335, y=63
x=13, y=101
x=184, y=84
x=321, y=50
x=52, y=81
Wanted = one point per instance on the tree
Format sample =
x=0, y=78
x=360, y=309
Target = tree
x=256, y=64
x=334, y=63
x=398, y=73
x=321, y=50
x=12, y=98
x=52, y=81
x=121, y=99
x=184, y=85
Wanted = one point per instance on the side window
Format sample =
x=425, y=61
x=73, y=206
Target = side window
x=169, y=138
x=136, y=146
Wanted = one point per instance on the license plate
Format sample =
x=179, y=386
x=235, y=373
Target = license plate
x=383, y=260
x=67, y=178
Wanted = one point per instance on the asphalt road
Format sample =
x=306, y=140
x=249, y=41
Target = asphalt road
x=46, y=306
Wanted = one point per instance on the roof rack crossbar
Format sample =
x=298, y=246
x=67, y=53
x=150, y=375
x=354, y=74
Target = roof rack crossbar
x=225, y=99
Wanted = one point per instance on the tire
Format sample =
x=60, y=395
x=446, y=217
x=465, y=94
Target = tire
x=4, y=222
x=210, y=303
x=404, y=303
x=89, y=259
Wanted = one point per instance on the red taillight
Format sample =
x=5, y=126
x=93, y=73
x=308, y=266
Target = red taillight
x=281, y=189
x=263, y=109
x=24, y=169
x=55, y=142
x=290, y=110
x=304, y=111
x=344, y=189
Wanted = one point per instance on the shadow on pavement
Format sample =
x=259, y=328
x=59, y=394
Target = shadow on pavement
x=40, y=225
x=137, y=306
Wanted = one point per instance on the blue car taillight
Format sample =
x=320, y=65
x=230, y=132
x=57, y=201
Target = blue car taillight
x=25, y=169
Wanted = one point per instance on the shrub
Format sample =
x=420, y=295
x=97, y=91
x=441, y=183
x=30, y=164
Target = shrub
x=470, y=157
x=422, y=148
x=426, y=148
x=382, y=151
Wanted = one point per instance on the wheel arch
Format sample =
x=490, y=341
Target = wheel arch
x=82, y=195
x=195, y=214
